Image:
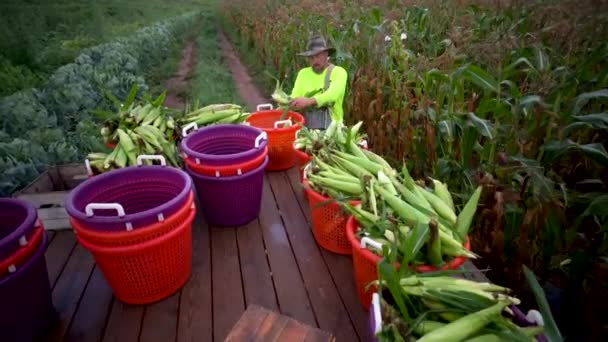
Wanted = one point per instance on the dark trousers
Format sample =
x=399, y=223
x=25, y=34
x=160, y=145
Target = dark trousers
x=317, y=119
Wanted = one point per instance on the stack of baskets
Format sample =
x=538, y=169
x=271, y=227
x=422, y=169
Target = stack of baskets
x=281, y=131
x=137, y=224
x=226, y=163
x=26, y=307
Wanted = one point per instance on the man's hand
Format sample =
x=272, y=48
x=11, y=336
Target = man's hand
x=302, y=102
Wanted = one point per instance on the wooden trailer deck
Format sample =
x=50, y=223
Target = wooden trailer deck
x=273, y=262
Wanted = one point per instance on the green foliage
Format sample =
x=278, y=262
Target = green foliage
x=53, y=124
x=513, y=97
x=211, y=81
x=39, y=36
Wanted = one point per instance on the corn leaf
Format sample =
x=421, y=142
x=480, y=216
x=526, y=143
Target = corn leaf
x=541, y=59
x=583, y=99
x=592, y=121
x=484, y=127
x=595, y=151
x=481, y=78
x=551, y=330
x=388, y=275
x=130, y=98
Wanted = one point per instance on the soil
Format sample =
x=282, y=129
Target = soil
x=245, y=86
x=178, y=84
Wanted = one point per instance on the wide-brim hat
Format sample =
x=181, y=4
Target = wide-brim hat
x=316, y=44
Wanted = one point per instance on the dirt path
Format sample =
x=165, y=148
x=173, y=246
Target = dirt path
x=178, y=84
x=244, y=84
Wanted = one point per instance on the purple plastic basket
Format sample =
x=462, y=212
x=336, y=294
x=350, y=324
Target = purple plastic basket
x=224, y=144
x=519, y=319
x=147, y=194
x=17, y=220
x=26, y=309
x=232, y=200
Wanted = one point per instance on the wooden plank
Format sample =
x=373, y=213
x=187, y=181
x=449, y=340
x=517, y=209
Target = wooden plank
x=340, y=266
x=248, y=324
x=228, y=302
x=298, y=190
x=294, y=332
x=257, y=280
x=50, y=236
x=58, y=254
x=160, y=320
x=124, y=323
x=52, y=213
x=195, y=310
x=60, y=224
x=329, y=309
x=93, y=311
x=291, y=293
x=261, y=324
x=54, y=199
x=271, y=327
x=69, y=289
x=342, y=273
x=42, y=183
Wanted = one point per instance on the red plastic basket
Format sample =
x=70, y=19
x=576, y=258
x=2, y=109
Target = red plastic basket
x=149, y=271
x=23, y=254
x=136, y=236
x=281, y=135
x=227, y=170
x=365, y=264
x=328, y=222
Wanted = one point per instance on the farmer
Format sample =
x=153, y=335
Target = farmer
x=318, y=92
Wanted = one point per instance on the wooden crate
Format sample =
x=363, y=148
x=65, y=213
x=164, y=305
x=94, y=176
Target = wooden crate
x=48, y=193
x=262, y=325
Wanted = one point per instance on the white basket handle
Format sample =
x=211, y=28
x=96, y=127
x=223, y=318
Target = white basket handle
x=143, y=157
x=377, y=315
x=23, y=240
x=93, y=206
x=259, y=138
x=363, y=143
x=239, y=172
x=267, y=106
x=188, y=127
x=87, y=165
x=367, y=241
x=282, y=122
x=306, y=169
x=534, y=316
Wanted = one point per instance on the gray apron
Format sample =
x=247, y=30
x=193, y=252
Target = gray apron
x=318, y=117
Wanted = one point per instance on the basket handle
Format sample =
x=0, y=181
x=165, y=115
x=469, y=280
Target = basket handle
x=363, y=143
x=367, y=241
x=93, y=206
x=267, y=106
x=377, y=315
x=189, y=127
x=282, y=122
x=306, y=169
x=259, y=138
x=87, y=165
x=143, y=157
x=534, y=316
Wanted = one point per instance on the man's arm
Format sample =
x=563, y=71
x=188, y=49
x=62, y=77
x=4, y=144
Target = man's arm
x=335, y=90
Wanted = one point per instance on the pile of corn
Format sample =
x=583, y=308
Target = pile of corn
x=394, y=206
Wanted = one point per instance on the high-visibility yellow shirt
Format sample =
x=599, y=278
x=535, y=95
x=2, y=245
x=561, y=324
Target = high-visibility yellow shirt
x=308, y=80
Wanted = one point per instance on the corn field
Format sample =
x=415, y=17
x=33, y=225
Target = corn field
x=512, y=95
